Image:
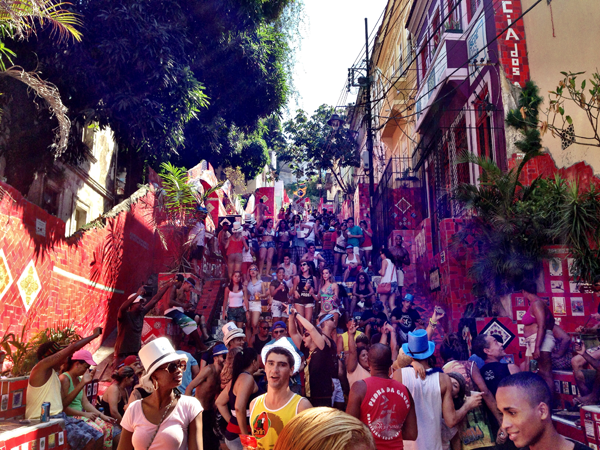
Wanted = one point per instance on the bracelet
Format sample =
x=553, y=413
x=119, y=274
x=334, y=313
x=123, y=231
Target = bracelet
x=432, y=323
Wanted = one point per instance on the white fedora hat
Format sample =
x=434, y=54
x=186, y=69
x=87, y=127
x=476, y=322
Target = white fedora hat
x=230, y=331
x=236, y=227
x=156, y=353
x=283, y=343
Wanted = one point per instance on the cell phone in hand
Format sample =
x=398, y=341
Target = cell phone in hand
x=289, y=309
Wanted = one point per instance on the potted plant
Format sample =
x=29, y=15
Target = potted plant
x=21, y=356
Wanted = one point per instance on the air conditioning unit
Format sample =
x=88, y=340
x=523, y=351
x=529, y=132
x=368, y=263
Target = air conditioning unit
x=364, y=160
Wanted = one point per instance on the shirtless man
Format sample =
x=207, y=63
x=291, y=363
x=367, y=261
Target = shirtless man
x=208, y=385
x=401, y=259
x=318, y=262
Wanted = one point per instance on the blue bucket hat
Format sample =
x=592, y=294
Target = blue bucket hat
x=220, y=349
x=418, y=345
x=409, y=298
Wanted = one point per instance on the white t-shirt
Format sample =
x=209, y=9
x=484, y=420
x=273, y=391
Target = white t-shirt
x=199, y=233
x=173, y=432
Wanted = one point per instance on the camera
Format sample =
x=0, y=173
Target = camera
x=148, y=291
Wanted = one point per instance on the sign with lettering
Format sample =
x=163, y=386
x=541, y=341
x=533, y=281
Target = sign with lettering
x=476, y=48
x=511, y=43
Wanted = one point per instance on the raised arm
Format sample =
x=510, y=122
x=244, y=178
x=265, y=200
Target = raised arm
x=42, y=370
x=127, y=303
x=317, y=337
x=351, y=356
x=161, y=291
x=293, y=328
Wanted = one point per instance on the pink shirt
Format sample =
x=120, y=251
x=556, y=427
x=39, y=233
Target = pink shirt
x=173, y=433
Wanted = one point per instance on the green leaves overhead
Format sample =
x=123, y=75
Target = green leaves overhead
x=314, y=146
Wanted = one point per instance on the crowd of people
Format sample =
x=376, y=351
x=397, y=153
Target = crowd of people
x=306, y=360
x=374, y=378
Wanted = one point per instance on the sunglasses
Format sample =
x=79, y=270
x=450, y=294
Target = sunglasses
x=173, y=366
x=264, y=328
x=303, y=265
x=278, y=332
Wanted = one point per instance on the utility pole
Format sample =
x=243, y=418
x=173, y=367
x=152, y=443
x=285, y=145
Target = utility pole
x=368, y=120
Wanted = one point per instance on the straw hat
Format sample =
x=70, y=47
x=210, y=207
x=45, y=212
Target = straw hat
x=230, y=331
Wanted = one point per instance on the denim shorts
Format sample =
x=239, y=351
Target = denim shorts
x=236, y=314
x=269, y=244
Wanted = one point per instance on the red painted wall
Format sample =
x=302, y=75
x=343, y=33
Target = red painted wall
x=119, y=256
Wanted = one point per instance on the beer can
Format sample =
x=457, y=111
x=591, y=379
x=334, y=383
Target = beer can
x=533, y=366
x=45, y=415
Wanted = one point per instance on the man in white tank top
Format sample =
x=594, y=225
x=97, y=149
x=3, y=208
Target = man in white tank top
x=432, y=396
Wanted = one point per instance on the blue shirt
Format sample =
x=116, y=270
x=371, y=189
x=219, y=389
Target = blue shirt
x=187, y=375
x=355, y=230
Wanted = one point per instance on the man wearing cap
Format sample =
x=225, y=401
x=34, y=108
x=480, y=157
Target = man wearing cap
x=208, y=385
x=432, y=396
x=373, y=319
x=130, y=321
x=405, y=318
x=177, y=311
x=44, y=384
x=270, y=412
x=383, y=404
x=197, y=238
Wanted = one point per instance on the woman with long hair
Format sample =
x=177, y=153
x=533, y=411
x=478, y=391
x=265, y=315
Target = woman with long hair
x=329, y=295
x=388, y=275
x=283, y=240
x=234, y=400
x=362, y=293
x=235, y=301
x=79, y=405
x=305, y=291
x=235, y=244
x=164, y=419
x=255, y=294
x=114, y=400
x=325, y=428
x=267, y=247
x=339, y=249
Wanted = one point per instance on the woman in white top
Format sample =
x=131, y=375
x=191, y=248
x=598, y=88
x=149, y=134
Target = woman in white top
x=166, y=419
x=235, y=301
x=388, y=275
x=267, y=247
x=255, y=294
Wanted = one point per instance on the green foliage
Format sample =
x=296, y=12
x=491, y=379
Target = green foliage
x=178, y=201
x=176, y=80
x=568, y=94
x=22, y=353
x=314, y=147
x=506, y=229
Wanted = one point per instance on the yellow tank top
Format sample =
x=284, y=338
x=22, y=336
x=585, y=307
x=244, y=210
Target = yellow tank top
x=49, y=392
x=267, y=424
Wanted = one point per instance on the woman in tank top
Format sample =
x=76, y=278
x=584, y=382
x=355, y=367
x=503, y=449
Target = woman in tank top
x=234, y=400
x=339, y=248
x=235, y=301
x=267, y=247
x=100, y=425
x=305, y=291
x=235, y=245
x=329, y=295
x=283, y=240
x=362, y=293
x=255, y=294
x=115, y=397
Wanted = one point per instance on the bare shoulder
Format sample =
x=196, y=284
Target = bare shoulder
x=304, y=404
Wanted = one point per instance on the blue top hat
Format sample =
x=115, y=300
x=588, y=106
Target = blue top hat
x=418, y=345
